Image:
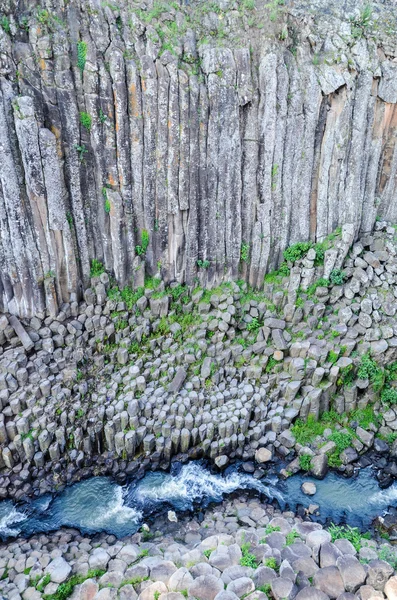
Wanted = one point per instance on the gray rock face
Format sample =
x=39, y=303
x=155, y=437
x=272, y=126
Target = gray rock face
x=125, y=153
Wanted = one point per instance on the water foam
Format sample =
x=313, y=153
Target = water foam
x=193, y=484
x=10, y=518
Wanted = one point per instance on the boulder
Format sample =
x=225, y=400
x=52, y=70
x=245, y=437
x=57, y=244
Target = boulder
x=391, y=588
x=319, y=466
x=352, y=572
x=205, y=587
x=379, y=571
x=263, y=455
x=58, y=569
x=329, y=581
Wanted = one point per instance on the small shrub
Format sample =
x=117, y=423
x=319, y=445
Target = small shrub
x=271, y=563
x=85, y=120
x=43, y=583
x=347, y=376
x=369, y=369
x=81, y=150
x=297, y=251
x=270, y=528
x=291, y=537
x=332, y=357
x=5, y=23
x=97, y=268
x=337, y=277
x=345, y=532
x=253, y=325
x=305, y=462
x=141, y=249
x=271, y=363
x=389, y=395
x=203, y=264
x=81, y=55
x=248, y=559
x=244, y=252
x=311, y=290
x=207, y=553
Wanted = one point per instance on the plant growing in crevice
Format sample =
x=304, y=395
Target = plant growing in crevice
x=86, y=120
x=244, y=252
x=337, y=277
x=81, y=150
x=141, y=248
x=97, y=268
x=81, y=55
x=5, y=23
x=203, y=264
x=305, y=462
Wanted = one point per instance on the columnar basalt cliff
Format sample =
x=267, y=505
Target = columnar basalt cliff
x=198, y=141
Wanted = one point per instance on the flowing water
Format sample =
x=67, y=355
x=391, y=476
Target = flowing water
x=100, y=504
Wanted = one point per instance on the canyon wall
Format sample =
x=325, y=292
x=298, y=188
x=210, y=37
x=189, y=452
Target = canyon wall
x=196, y=140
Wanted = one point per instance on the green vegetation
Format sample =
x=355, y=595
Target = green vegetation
x=5, y=24
x=40, y=587
x=81, y=150
x=207, y=553
x=311, y=290
x=271, y=563
x=66, y=589
x=97, y=268
x=141, y=248
x=305, y=462
x=270, y=528
x=244, y=252
x=107, y=205
x=253, y=325
x=85, y=120
x=337, y=277
x=291, y=537
x=345, y=532
x=369, y=369
x=300, y=249
x=248, y=559
x=276, y=276
x=332, y=357
x=81, y=55
x=203, y=264
x=360, y=24
x=266, y=589
x=297, y=251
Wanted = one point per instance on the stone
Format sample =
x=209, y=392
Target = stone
x=241, y=586
x=329, y=581
x=98, y=559
x=282, y=588
x=319, y=466
x=180, y=580
x=311, y=593
x=308, y=488
x=153, y=591
x=263, y=455
x=58, y=569
x=379, y=572
x=391, y=588
x=205, y=587
x=352, y=572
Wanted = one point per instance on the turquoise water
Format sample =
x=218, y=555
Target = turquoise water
x=100, y=504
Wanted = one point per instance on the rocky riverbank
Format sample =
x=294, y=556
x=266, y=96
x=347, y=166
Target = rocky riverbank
x=240, y=549
x=128, y=379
